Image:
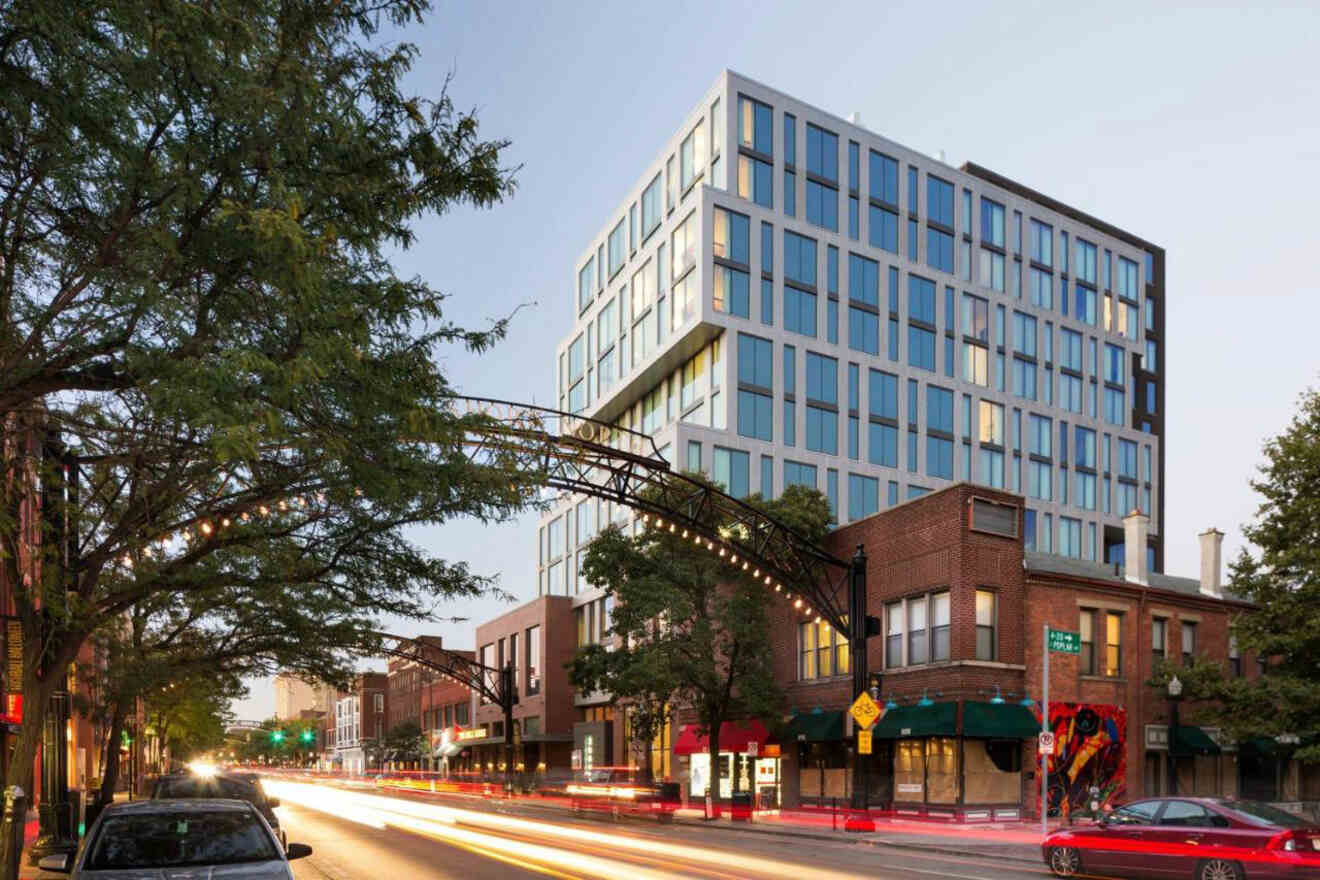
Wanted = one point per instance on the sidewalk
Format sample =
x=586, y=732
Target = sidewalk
x=1013, y=841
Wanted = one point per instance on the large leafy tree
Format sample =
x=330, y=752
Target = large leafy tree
x=198, y=203
x=1282, y=577
x=691, y=629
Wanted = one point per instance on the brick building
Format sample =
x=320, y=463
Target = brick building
x=359, y=718
x=958, y=669
x=538, y=639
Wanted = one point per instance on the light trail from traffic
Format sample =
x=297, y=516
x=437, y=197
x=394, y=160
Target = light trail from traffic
x=568, y=848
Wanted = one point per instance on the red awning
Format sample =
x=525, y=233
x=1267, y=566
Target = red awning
x=734, y=737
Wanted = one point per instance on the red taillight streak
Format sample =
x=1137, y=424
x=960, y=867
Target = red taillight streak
x=1266, y=852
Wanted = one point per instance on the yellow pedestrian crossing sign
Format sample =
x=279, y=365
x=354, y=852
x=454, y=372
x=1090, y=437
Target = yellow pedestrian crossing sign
x=864, y=710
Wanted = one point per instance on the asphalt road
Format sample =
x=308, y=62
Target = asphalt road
x=364, y=836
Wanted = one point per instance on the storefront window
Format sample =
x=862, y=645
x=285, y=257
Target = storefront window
x=992, y=770
x=942, y=770
x=909, y=770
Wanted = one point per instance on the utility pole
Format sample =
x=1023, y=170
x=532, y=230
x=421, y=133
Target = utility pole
x=508, y=696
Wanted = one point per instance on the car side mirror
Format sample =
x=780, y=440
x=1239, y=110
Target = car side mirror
x=298, y=851
x=274, y=802
x=60, y=863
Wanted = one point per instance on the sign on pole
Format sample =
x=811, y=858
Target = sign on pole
x=1061, y=641
x=864, y=710
x=1045, y=743
x=863, y=742
x=752, y=748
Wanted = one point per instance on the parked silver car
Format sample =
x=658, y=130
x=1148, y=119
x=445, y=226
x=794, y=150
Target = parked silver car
x=152, y=840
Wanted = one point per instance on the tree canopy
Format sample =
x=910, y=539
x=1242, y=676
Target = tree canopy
x=1282, y=577
x=691, y=630
x=198, y=208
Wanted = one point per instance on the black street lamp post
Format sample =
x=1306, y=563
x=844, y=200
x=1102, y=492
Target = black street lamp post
x=1175, y=696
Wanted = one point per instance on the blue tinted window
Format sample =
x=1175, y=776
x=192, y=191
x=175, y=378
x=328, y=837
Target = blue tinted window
x=790, y=369
x=939, y=457
x=790, y=193
x=1114, y=364
x=883, y=395
x=755, y=121
x=912, y=190
x=882, y=229
x=767, y=477
x=799, y=258
x=921, y=348
x=1042, y=243
x=755, y=415
x=799, y=311
x=822, y=378
x=921, y=299
x=831, y=269
x=882, y=444
x=767, y=248
x=790, y=139
x=992, y=222
x=1039, y=437
x=863, y=496
x=863, y=331
x=832, y=320
x=730, y=469
x=939, y=249
x=939, y=200
x=586, y=284
x=822, y=430
x=822, y=152
x=854, y=165
x=854, y=218
x=864, y=280
x=755, y=361
x=884, y=178
x=939, y=409
x=617, y=247
x=767, y=302
x=1070, y=349
x=1086, y=261
x=651, y=207
x=730, y=291
x=1024, y=333
x=798, y=474
x=822, y=205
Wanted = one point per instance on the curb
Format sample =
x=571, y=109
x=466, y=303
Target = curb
x=950, y=851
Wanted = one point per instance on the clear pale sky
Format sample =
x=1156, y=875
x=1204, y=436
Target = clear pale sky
x=1195, y=128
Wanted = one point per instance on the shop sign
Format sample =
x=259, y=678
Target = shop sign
x=864, y=710
x=863, y=742
x=909, y=788
x=752, y=748
x=472, y=733
x=771, y=750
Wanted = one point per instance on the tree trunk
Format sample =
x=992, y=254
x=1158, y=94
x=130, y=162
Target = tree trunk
x=110, y=773
x=713, y=785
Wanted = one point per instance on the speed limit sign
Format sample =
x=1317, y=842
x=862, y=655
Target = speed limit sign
x=1045, y=743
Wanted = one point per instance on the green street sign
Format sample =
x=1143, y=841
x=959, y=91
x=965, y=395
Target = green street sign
x=1065, y=642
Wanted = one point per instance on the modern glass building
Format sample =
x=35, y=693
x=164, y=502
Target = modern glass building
x=788, y=297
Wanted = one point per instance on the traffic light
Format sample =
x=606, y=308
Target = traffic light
x=277, y=736
x=307, y=736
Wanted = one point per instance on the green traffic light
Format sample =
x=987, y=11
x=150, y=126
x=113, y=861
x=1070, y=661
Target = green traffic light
x=308, y=736
x=277, y=736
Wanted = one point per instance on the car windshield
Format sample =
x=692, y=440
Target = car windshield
x=162, y=840
x=1265, y=813
x=207, y=787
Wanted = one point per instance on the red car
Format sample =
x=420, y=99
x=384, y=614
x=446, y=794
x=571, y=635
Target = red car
x=1191, y=838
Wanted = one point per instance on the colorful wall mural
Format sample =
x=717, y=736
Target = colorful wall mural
x=1090, y=749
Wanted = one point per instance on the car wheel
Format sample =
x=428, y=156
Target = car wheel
x=1219, y=869
x=1065, y=861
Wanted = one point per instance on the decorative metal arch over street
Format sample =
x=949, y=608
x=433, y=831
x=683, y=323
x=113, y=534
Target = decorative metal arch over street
x=576, y=454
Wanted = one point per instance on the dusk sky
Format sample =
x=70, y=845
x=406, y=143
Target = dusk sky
x=1195, y=128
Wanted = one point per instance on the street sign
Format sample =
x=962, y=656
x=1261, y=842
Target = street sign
x=864, y=710
x=1045, y=743
x=752, y=748
x=863, y=742
x=1063, y=642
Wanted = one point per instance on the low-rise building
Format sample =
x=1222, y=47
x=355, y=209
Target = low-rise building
x=538, y=639
x=958, y=669
x=359, y=718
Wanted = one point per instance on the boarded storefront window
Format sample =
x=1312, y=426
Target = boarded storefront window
x=992, y=770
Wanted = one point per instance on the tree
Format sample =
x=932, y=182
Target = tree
x=404, y=743
x=198, y=203
x=691, y=629
x=1283, y=579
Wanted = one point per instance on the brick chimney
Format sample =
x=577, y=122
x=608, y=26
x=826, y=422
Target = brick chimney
x=1212, y=544
x=1135, y=525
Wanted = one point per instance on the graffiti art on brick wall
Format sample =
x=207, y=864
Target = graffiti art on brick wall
x=1090, y=751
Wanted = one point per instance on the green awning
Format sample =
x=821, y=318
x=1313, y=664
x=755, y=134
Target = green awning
x=1261, y=745
x=1189, y=740
x=937, y=719
x=999, y=721
x=815, y=726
